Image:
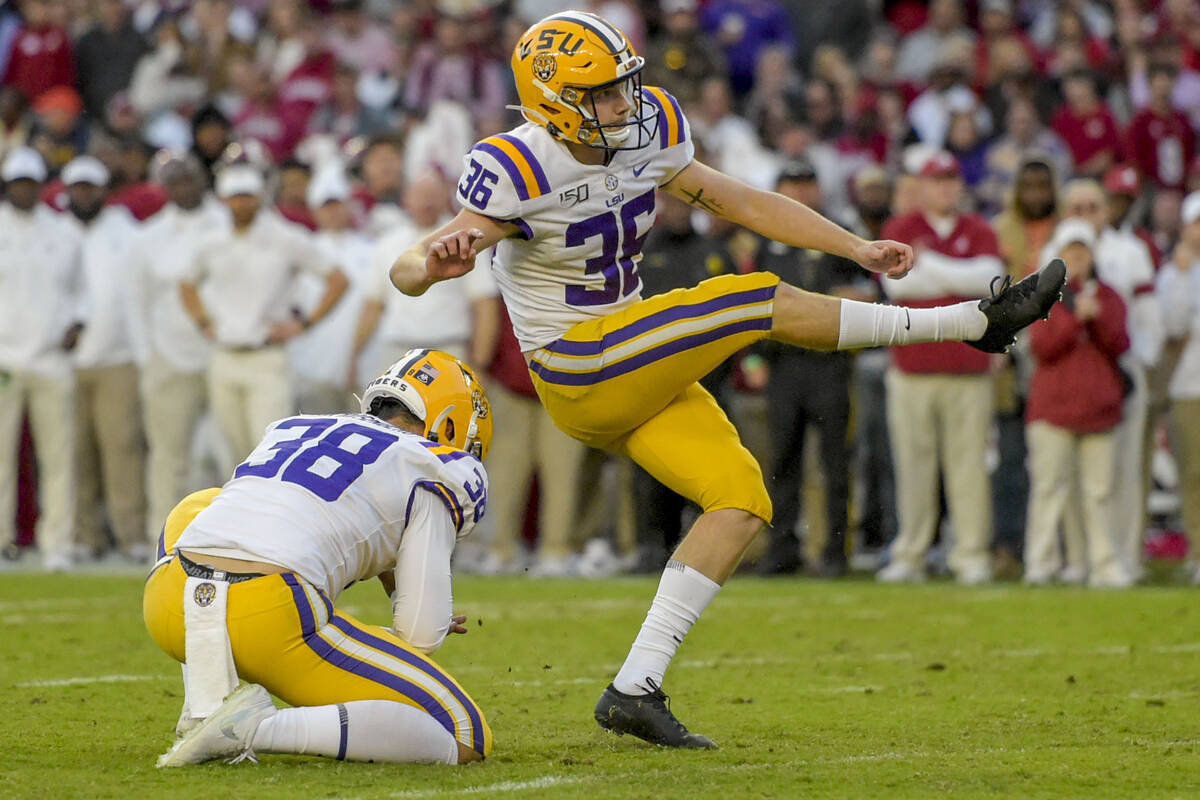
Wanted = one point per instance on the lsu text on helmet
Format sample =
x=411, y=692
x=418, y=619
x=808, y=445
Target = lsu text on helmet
x=561, y=62
x=443, y=393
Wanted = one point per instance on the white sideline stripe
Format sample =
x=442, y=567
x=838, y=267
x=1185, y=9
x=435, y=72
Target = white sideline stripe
x=503, y=786
x=1186, y=647
x=42, y=619
x=92, y=679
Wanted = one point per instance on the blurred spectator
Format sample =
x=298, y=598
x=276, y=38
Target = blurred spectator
x=778, y=95
x=107, y=55
x=1023, y=134
x=1160, y=138
x=675, y=256
x=681, y=57
x=377, y=199
x=949, y=92
x=967, y=143
x=1070, y=25
x=920, y=50
x=110, y=468
x=847, y=22
x=457, y=317
x=1023, y=230
x=807, y=389
x=742, y=28
x=940, y=394
x=15, y=123
x=876, y=497
x=1024, y=227
x=1178, y=294
x=356, y=39
x=174, y=357
x=211, y=134
x=167, y=76
x=1122, y=262
x=1185, y=95
x=267, y=118
x=248, y=274
x=449, y=68
x=1074, y=404
x=322, y=356
x=291, y=194
x=39, y=325
x=10, y=26
x=59, y=133
x=1047, y=24
x=1087, y=126
x=343, y=114
x=1128, y=207
x=41, y=57
x=998, y=31
x=128, y=163
x=823, y=108
x=729, y=140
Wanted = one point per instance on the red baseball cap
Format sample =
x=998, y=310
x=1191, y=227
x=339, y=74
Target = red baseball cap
x=941, y=165
x=1122, y=179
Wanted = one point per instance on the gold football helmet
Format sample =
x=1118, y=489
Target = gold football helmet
x=559, y=62
x=443, y=393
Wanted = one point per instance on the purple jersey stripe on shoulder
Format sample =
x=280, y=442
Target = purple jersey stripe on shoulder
x=538, y=173
x=659, y=319
x=678, y=113
x=650, y=356
x=510, y=166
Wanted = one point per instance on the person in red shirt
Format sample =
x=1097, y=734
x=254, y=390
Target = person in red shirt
x=1075, y=402
x=1087, y=126
x=939, y=395
x=1161, y=139
x=41, y=56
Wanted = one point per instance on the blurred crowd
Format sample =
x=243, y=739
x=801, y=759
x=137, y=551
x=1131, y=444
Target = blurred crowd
x=202, y=199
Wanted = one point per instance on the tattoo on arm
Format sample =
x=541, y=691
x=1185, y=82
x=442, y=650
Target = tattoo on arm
x=710, y=205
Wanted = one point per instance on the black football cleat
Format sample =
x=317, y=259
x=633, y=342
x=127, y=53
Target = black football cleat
x=648, y=717
x=1019, y=304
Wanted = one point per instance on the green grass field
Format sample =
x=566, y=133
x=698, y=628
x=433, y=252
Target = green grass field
x=813, y=689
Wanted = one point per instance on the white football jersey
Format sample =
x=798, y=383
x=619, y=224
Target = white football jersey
x=329, y=497
x=582, y=225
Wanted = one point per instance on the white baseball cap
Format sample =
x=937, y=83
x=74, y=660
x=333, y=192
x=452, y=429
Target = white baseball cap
x=85, y=169
x=1190, y=211
x=23, y=163
x=239, y=179
x=1073, y=231
x=327, y=186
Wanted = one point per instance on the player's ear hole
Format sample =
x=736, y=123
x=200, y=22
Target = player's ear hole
x=449, y=431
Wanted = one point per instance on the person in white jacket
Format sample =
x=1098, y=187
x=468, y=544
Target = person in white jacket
x=173, y=354
x=40, y=321
x=109, y=451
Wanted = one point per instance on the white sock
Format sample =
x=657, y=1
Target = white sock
x=361, y=730
x=873, y=324
x=683, y=594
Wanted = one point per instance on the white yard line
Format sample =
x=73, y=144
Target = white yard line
x=503, y=786
x=83, y=681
